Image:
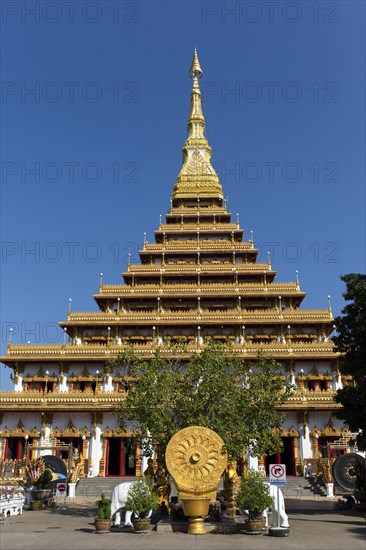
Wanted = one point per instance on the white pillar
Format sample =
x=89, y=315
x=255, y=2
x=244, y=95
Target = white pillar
x=305, y=443
x=337, y=382
x=96, y=451
x=329, y=487
x=63, y=386
x=46, y=435
x=252, y=463
x=72, y=490
x=18, y=385
x=108, y=384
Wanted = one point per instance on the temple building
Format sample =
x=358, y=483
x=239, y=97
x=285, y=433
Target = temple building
x=199, y=280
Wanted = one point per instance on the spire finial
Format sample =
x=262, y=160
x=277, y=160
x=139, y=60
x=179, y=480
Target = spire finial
x=197, y=175
x=195, y=70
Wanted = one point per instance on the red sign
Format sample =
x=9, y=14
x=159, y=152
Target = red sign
x=277, y=474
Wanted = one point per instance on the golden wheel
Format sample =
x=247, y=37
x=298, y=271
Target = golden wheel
x=195, y=457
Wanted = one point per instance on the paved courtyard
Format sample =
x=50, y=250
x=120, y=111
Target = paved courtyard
x=315, y=524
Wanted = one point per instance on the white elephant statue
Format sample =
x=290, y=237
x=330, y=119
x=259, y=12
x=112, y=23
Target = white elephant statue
x=278, y=506
x=118, y=500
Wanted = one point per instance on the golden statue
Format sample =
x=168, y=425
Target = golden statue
x=162, y=485
x=149, y=472
x=231, y=484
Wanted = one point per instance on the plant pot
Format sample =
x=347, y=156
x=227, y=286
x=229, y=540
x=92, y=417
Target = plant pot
x=102, y=525
x=254, y=525
x=36, y=505
x=141, y=525
x=40, y=494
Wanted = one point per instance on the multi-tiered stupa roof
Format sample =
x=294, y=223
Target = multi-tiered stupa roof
x=199, y=280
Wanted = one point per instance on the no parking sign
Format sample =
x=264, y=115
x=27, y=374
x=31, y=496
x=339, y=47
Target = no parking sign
x=277, y=474
x=61, y=489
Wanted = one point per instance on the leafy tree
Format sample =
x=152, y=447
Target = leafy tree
x=351, y=343
x=213, y=389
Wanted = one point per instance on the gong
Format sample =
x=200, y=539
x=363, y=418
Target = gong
x=58, y=469
x=344, y=471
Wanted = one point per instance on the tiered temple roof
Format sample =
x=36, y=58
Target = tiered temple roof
x=199, y=281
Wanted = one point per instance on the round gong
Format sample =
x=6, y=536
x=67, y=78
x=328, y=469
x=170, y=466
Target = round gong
x=57, y=466
x=344, y=472
x=195, y=457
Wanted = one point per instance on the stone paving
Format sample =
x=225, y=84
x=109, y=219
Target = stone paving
x=314, y=525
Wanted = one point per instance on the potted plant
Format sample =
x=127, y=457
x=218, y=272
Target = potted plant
x=253, y=496
x=142, y=499
x=39, y=491
x=103, y=522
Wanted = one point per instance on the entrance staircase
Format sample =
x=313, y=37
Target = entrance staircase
x=92, y=487
x=297, y=487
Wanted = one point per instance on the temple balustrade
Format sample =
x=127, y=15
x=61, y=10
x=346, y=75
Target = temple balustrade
x=243, y=267
x=194, y=226
x=271, y=314
x=221, y=288
x=179, y=245
x=98, y=352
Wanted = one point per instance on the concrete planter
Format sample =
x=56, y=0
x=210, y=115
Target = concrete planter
x=141, y=525
x=102, y=525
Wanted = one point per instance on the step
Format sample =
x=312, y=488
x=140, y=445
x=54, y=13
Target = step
x=92, y=487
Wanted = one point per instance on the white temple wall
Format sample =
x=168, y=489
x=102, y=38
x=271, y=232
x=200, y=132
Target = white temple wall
x=29, y=420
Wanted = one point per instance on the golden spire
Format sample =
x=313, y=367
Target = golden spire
x=195, y=69
x=197, y=177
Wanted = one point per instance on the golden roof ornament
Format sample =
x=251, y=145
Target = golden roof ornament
x=197, y=177
x=195, y=70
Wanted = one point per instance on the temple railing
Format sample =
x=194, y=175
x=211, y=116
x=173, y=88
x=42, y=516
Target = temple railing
x=267, y=315
x=222, y=288
x=102, y=352
x=203, y=268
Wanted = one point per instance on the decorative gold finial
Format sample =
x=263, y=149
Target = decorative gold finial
x=195, y=70
x=197, y=176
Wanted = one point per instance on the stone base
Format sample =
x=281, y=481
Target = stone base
x=225, y=528
x=279, y=532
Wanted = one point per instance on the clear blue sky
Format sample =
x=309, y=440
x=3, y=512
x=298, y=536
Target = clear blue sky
x=110, y=104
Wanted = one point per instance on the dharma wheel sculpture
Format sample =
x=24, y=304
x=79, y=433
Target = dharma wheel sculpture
x=196, y=459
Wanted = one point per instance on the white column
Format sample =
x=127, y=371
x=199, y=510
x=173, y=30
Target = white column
x=72, y=490
x=337, y=382
x=46, y=435
x=96, y=451
x=18, y=385
x=252, y=462
x=305, y=443
x=63, y=386
x=108, y=384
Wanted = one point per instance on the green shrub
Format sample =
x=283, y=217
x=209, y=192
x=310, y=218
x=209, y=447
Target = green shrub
x=141, y=497
x=104, y=507
x=253, y=495
x=44, y=479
